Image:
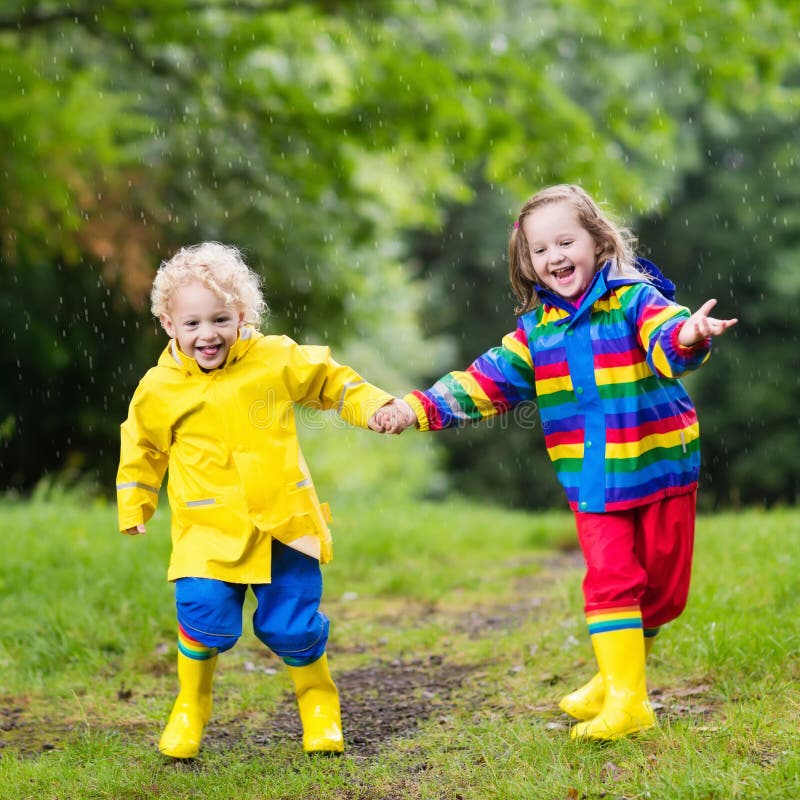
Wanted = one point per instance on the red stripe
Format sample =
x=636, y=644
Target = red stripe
x=626, y=359
x=492, y=391
x=558, y=370
x=431, y=412
x=563, y=437
x=638, y=432
x=521, y=336
x=186, y=636
x=650, y=311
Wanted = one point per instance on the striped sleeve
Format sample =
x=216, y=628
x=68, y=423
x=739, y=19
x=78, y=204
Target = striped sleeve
x=494, y=383
x=658, y=322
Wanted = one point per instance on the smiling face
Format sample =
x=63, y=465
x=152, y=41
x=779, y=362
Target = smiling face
x=203, y=324
x=563, y=253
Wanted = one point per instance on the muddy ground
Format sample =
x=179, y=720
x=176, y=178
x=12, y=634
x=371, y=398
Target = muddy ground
x=381, y=701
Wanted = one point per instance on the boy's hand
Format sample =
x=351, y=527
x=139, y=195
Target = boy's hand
x=135, y=531
x=700, y=326
x=394, y=417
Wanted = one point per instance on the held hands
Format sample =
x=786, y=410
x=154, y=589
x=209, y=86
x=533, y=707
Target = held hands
x=700, y=326
x=394, y=417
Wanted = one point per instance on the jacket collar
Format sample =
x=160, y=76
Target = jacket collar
x=608, y=277
x=174, y=358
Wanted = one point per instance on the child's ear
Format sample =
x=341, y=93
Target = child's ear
x=166, y=324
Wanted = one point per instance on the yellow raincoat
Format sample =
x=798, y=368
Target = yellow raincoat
x=237, y=476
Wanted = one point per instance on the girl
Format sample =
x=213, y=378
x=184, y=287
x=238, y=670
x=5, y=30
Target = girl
x=601, y=345
x=217, y=411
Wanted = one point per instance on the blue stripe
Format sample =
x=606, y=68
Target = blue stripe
x=615, y=625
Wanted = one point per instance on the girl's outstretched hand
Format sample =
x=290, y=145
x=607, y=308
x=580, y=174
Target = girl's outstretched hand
x=394, y=417
x=700, y=326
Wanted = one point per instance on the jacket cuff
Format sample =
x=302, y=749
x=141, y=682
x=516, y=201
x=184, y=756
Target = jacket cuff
x=130, y=521
x=416, y=405
x=691, y=353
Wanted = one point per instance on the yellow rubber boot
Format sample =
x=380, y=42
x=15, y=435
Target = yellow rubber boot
x=626, y=708
x=192, y=710
x=318, y=701
x=587, y=701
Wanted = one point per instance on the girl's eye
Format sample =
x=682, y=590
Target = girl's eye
x=566, y=243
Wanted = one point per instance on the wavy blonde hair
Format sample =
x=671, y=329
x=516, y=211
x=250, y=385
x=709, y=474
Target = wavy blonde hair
x=615, y=241
x=218, y=267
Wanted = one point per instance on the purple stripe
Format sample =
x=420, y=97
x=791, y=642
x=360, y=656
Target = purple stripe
x=573, y=492
x=544, y=358
x=666, y=479
x=511, y=392
x=573, y=423
x=650, y=413
x=622, y=344
x=633, y=419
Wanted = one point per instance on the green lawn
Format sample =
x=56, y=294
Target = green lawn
x=455, y=629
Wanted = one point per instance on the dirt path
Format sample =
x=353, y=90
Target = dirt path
x=381, y=701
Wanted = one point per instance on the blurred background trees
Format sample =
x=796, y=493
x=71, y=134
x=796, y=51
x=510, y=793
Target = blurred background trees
x=369, y=159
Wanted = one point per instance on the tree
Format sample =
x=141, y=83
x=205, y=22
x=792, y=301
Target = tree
x=733, y=232
x=315, y=135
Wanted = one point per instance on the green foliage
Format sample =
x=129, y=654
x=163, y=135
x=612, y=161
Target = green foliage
x=734, y=233
x=316, y=135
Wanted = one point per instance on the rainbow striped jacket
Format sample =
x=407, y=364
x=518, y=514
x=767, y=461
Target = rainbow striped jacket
x=618, y=425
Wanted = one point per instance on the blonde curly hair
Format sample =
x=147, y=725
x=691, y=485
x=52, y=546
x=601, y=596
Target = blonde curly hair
x=218, y=267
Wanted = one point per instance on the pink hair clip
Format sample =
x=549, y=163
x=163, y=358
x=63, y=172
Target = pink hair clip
x=516, y=224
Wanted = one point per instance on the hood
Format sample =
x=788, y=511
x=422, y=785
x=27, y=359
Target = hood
x=173, y=358
x=650, y=274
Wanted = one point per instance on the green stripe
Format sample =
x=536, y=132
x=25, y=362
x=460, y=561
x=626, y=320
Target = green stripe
x=635, y=463
x=568, y=464
x=611, y=391
x=516, y=361
x=609, y=317
x=462, y=396
x=558, y=398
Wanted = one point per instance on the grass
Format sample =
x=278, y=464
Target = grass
x=87, y=663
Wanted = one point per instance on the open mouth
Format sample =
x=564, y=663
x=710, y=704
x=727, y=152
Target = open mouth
x=209, y=351
x=563, y=274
